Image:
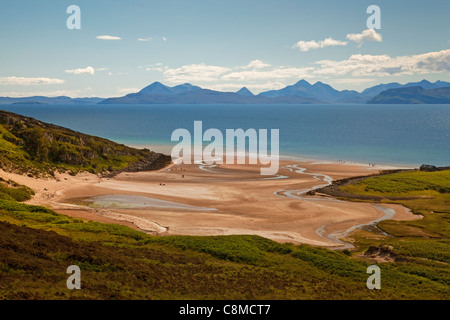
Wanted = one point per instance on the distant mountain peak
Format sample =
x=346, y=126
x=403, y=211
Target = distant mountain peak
x=185, y=87
x=321, y=84
x=302, y=83
x=155, y=85
x=300, y=92
x=156, y=88
x=244, y=92
x=414, y=94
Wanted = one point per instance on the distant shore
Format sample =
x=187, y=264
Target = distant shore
x=167, y=149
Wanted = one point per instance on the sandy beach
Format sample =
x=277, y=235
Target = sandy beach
x=198, y=199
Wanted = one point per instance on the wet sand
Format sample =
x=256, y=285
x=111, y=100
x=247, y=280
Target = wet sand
x=241, y=201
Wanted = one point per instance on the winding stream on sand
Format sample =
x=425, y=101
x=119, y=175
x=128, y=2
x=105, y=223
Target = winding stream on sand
x=208, y=167
x=298, y=194
x=388, y=213
x=335, y=237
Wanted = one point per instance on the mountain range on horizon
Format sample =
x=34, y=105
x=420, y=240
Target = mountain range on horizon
x=413, y=95
x=301, y=92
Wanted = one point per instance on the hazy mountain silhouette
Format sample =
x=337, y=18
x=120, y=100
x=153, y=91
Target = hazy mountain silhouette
x=157, y=93
x=410, y=95
x=245, y=92
x=298, y=93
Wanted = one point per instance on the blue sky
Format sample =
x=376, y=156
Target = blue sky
x=221, y=45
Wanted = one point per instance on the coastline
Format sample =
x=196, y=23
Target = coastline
x=167, y=148
x=244, y=202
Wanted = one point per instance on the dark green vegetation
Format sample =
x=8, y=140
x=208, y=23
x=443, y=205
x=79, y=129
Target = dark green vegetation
x=406, y=184
x=37, y=245
x=413, y=95
x=425, y=193
x=10, y=190
x=37, y=148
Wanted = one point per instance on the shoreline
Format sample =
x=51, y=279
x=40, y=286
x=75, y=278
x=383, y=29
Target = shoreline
x=166, y=149
x=245, y=202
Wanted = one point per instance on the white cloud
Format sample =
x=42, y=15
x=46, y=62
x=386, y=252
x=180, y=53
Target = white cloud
x=56, y=93
x=207, y=73
x=309, y=45
x=369, y=35
x=359, y=38
x=278, y=73
x=353, y=81
x=153, y=67
x=259, y=76
x=384, y=65
x=164, y=38
x=22, y=81
x=194, y=72
x=82, y=71
x=106, y=37
x=145, y=39
x=126, y=91
x=256, y=64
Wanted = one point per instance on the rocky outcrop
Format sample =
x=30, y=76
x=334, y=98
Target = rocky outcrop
x=428, y=167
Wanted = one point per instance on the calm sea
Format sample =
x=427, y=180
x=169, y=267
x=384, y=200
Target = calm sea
x=381, y=134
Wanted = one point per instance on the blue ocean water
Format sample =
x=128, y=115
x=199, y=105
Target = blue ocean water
x=381, y=134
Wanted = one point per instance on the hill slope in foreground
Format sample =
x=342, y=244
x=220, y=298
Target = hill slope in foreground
x=37, y=148
x=37, y=245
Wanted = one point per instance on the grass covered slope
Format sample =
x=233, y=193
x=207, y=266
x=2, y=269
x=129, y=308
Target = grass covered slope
x=37, y=245
x=10, y=190
x=425, y=242
x=409, y=183
x=34, y=147
x=425, y=193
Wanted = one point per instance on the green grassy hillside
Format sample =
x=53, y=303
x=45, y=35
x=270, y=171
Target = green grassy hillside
x=425, y=193
x=10, y=190
x=37, y=245
x=409, y=183
x=37, y=148
x=424, y=243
